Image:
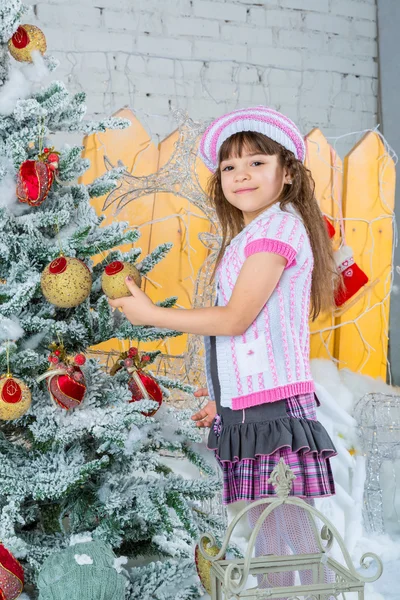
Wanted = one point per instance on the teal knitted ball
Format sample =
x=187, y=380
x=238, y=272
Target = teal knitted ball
x=81, y=572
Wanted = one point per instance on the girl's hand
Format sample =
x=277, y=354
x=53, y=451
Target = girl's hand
x=206, y=415
x=138, y=308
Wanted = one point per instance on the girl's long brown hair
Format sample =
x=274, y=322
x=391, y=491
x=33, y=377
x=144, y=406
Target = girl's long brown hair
x=300, y=194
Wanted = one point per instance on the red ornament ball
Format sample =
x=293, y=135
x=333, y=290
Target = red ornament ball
x=57, y=352
x=34, y=182
x=133, y=352
x=128, y=362
x=151, y=386
x=80, y=359
x=68, y=390
x=11, y=575
x=53, y=359
x=145, y=358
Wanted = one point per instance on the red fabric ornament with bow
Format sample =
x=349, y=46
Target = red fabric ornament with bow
x=34, y=182
x=11, y=575
x=67, y=389
x=35, y=177
x=141, y=385
x=65, y=382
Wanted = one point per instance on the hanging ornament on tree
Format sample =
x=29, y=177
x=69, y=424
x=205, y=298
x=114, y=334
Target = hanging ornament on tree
x=66, y=282
x=11, y=575
x=353, y=278
x=15, y=398
x=26, y=39
x=113, y=279
x=203, y=566
x=65, y=380
x=34, y=182
x=35, y=177
x=141, y=385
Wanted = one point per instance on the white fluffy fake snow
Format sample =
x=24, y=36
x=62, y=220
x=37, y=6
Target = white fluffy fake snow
x=339, y=392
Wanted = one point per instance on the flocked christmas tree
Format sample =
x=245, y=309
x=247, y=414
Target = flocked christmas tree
x=81, y=458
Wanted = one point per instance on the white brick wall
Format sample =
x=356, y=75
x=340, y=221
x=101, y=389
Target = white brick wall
x=313, y=59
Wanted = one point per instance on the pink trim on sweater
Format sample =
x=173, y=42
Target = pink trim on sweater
x=273, y=246
x=282, y=226
x=278, y=393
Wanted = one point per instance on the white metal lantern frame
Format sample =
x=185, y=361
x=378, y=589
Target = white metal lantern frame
x=229, y=577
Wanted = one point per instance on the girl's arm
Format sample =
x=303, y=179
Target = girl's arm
x=256, y=282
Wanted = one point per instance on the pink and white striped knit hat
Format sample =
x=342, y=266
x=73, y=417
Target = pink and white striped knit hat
x=261, y=119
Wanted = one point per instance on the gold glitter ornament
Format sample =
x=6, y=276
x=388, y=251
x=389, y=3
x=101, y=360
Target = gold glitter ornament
x=203, y=566
x=26, y=39
x=113, y=279
x=66, y=282
x=15, y=398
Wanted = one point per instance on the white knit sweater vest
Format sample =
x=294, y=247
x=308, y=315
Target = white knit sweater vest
x=270, y=361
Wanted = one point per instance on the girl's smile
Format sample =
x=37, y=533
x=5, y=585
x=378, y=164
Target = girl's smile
x=245, y=190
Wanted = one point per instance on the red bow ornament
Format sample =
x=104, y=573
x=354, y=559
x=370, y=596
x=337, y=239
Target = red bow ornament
x=65, y=382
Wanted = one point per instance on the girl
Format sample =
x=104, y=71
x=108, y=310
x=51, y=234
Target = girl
x=275, y=268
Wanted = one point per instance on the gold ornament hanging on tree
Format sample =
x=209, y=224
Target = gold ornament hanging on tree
x=26, y=39
x=15, y=398
x=113, y=279
x=66, y=282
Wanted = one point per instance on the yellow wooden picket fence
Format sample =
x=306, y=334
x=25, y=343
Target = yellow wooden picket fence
x=361, y=191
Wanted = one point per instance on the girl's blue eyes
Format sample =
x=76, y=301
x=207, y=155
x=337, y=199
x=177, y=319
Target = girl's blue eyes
x=256, y=162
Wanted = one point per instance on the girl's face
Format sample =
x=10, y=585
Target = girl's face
x=252, y=182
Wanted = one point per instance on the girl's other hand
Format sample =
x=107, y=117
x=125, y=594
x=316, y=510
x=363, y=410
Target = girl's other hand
x=201, y=392
x=205, y=416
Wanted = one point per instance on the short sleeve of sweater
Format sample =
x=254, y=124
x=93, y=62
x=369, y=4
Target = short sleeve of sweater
x=280, y=234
